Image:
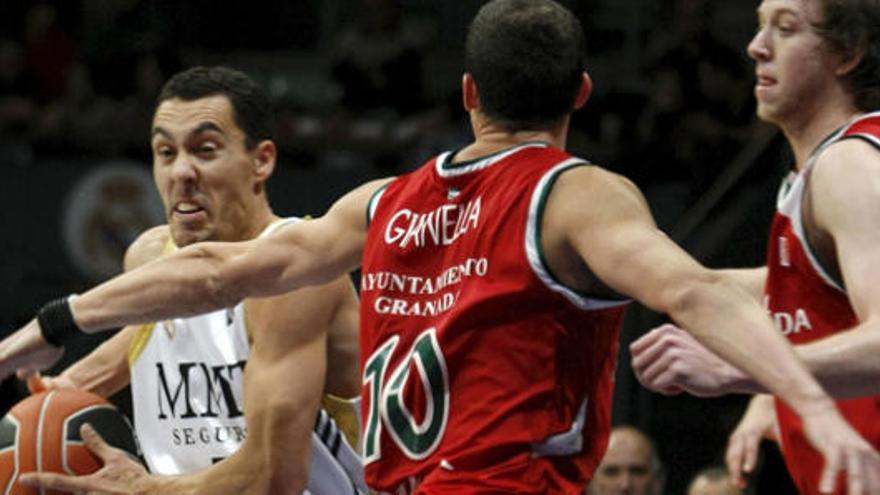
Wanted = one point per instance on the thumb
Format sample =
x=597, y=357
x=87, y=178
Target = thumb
x=36, y=383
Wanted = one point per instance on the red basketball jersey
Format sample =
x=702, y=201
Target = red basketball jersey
x=807, y=304
x=482, y=373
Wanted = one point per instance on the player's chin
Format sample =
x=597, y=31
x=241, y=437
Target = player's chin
x=186, y=233
x=766, y=113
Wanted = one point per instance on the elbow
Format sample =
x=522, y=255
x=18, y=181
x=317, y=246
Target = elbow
x=694, y=294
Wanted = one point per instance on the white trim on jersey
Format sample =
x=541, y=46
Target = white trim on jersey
x=790, y=200
x=568, y=442
x=479, y=164
x=374, y=203
x=533, y=250
x=868, y=137
x=335, y=467
x=790, y=206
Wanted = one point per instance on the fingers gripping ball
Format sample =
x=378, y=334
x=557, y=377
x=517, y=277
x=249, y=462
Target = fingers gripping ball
x=41, y=433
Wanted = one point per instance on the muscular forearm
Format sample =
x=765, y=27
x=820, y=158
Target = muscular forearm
x=845, y=364
x=750, y=279
x=190, y=281
x=733, y=325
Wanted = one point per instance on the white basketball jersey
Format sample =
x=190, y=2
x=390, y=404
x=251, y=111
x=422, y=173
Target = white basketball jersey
x=186, y=386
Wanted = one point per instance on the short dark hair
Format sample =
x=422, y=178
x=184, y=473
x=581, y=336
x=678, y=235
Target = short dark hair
x=251, y=109
x=526, y=57
x=850, y=27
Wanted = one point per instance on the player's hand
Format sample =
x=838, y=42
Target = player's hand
x=120, y=475
x=26, y=352
x=757, y=423
x=843, y=450
x=668, y=360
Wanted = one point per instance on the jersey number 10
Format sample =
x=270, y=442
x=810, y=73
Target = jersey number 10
x=387, y=409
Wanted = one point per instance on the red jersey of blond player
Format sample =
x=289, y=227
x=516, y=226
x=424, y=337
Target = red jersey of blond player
x=808, y=302
x=481, y=372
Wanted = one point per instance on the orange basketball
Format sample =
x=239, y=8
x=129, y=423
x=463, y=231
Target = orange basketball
x=41, y=433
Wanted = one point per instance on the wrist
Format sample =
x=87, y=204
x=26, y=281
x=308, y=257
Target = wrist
x=735, y=381
x=57, y=324
x=810, y=402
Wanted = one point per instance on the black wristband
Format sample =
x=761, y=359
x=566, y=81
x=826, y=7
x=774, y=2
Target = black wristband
x=56, y=322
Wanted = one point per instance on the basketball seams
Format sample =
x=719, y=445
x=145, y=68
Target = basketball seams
x=40, y=422
x=14, y=447
x=46, y=436
x=64, y=427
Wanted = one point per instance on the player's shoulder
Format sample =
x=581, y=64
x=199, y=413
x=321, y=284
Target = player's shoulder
x=150, y=245
x=592, y=184
x=848, y=156
x=845, y=166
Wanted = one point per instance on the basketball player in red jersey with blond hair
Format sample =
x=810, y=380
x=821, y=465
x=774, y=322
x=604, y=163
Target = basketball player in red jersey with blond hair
x=818, y=79
x=494, y=279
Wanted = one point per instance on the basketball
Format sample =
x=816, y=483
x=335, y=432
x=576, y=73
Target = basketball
x=41, y=433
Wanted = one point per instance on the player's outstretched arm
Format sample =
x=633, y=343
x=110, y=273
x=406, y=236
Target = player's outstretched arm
x=211, y=275
x=617, y=240
x=207, y=276
x=283, y=382
x=669, y=360
x=104, y=371
x=844, y=183
x=752, y=280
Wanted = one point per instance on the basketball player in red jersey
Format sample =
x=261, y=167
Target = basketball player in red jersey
x=494, y=278
x=818, y=79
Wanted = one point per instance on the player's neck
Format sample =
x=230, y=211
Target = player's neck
x=807, y=134
x=252, y=223
x=263, y=217
x=490, y=138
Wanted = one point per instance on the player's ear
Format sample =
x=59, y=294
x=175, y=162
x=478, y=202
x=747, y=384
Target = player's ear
x=470, y=95
x=849, y=61
x=584, y=91
x=264, y=156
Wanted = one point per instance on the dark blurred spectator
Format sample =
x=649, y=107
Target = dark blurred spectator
x=135, y=113
x=17, y=107
x=698, y=111
x=379, y=61
x=78, y=121
x=49, y=50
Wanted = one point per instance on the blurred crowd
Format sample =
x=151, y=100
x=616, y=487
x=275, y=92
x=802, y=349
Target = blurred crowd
x=374, y=84
x=373, y=95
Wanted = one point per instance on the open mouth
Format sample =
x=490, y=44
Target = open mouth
x=187, y=209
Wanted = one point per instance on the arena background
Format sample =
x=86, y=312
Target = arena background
x=365, y=88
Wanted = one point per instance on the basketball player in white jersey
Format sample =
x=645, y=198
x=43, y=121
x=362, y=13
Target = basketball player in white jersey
x=199, y=411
